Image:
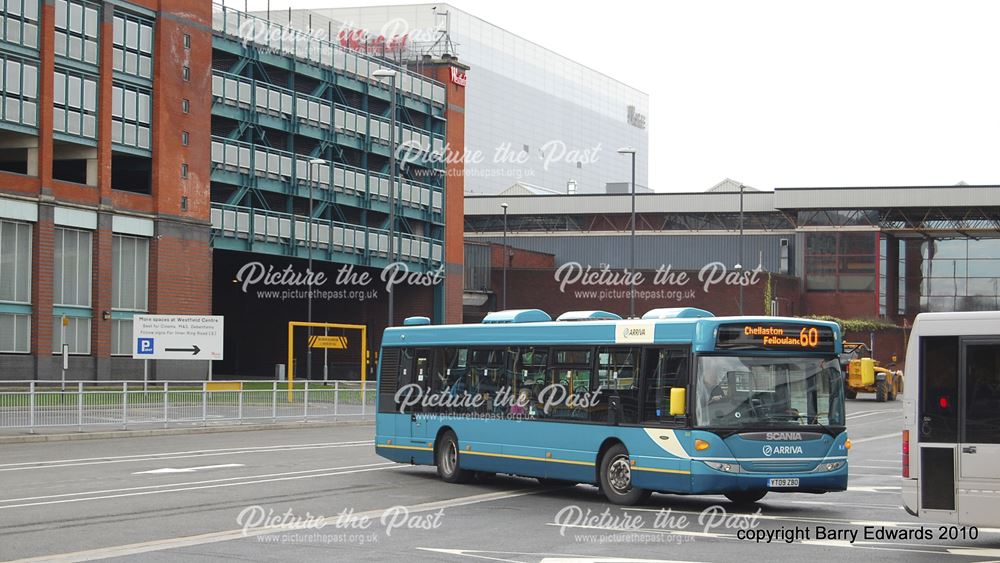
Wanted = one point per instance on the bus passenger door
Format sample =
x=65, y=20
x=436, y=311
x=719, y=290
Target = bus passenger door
x=979, y=447
x=414, y=379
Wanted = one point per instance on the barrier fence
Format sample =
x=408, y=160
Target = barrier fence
x=31, y=405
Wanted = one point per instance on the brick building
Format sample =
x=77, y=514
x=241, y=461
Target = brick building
x=104, y=209
x=150, y=150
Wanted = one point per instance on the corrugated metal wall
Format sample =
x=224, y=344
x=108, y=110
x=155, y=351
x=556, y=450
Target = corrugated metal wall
x=477, y=266
x=682, y=252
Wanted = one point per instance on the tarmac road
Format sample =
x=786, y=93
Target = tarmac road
x=210, y=496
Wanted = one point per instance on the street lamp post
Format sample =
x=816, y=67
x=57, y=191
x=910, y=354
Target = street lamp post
x=739, y=258
x=380, y=74
x=631, y=293
x=309, y=279
x=504, y=299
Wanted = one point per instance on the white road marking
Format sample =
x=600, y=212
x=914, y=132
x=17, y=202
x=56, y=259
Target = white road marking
x=861, y=414
x=898, y=434
x=893, y=468
x=833, y=503
x=876, y=489
x=187, y=469
x=176, y=455
x=211, y=484
x=230, y=535
x=546, y=557
x=974, y=552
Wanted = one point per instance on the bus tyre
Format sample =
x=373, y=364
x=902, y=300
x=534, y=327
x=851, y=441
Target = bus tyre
x=745, y=497
x=882, y=391
x=851, y=394
x=616, y=478
x=446, y=457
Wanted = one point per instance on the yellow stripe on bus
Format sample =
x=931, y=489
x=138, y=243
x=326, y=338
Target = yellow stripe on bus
x=529, y=458
x=405, y=447
x=677, y=471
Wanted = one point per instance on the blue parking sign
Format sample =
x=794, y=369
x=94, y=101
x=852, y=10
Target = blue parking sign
x=145, y=346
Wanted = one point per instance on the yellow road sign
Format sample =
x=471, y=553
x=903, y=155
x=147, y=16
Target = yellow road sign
x=332, y=342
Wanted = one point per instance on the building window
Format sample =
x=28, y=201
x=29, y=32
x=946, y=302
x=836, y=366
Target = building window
x=77, y=30
x=75, y=103
x=841, y=261
x=19, y=23
x=71, y=279
x=186, y=74
x=133, y=45
x=184, y=171
x=187, y=41
x=19, y=91
x=186, y=105
x=15, y=287
x=131, y=116
x=185, y=138
x=129, y=288
x=77, y=334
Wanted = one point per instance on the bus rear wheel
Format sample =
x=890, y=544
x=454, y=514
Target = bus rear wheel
x=616, y=478
x=745, y=497
x=446, y=456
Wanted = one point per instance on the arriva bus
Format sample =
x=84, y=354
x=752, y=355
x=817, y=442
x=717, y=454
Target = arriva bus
x=679, y=401
x=951, y=418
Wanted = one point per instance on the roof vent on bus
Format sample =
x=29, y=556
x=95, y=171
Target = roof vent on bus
x=677, y=313
x=416, y=321
x=517, y=316
x=588, y=316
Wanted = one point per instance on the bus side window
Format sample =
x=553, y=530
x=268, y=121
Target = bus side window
x=665, y=369
x=570, y=370
x=456, y=372
x=617, y=369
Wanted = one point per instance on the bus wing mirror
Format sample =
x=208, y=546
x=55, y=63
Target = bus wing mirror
x=678, y=401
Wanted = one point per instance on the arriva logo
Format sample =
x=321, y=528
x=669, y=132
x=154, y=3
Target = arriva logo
x=770, y=450
x=784, y=436
x=633, y=332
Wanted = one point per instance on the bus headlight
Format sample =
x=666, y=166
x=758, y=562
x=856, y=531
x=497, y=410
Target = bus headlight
x=724, y=466
x=829, y=466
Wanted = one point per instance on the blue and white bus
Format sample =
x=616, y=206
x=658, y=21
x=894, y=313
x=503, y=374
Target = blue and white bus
x=678, y=401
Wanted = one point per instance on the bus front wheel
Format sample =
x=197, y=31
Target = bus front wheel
x=447, y=460
x=746, y=497
x=616, y=478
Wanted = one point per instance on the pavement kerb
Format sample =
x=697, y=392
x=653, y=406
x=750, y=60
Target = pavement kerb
x=106, y=434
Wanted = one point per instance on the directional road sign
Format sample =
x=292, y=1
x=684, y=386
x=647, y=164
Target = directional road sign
x=177, y=337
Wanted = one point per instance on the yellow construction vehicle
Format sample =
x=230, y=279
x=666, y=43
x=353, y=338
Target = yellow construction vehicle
x=865, y=375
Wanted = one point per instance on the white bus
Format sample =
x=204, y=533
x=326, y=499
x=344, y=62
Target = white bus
x=951, y=417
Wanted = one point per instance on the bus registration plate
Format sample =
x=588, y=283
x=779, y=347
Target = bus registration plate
x=782, y=483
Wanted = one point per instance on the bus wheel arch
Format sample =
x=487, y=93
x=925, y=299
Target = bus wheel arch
x=605, y=446
x=614, y=454
x=446, y=458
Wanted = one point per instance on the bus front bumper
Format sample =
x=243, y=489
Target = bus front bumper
x=705, y=480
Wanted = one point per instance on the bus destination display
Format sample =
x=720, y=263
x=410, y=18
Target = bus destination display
x=776, y=336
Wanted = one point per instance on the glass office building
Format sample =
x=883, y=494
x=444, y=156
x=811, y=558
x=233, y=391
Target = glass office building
x=532, y=115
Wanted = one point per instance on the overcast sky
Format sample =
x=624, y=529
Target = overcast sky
x=786, y=93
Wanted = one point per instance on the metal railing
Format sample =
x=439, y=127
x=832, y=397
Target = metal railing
x=31, y=405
